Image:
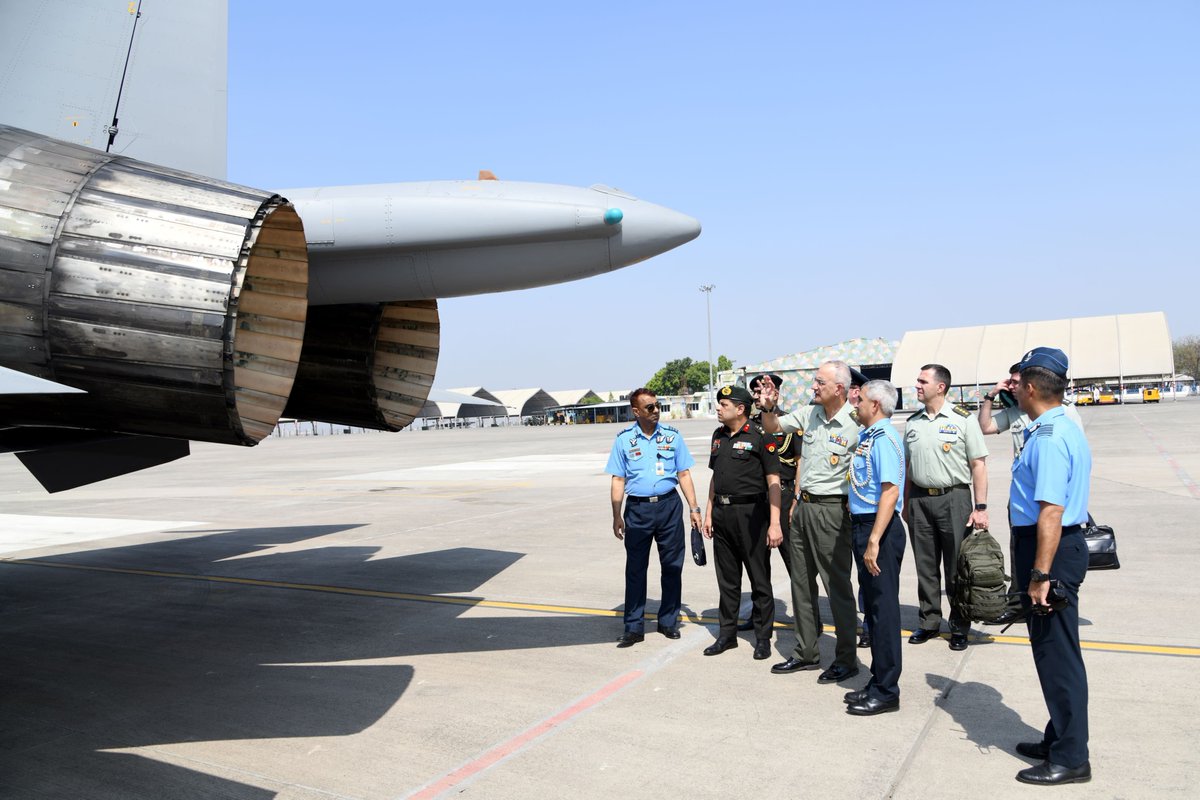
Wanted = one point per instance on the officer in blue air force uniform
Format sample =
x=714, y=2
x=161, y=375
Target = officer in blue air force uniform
x=647, y=462
x=1049, y=500
x=876, y=500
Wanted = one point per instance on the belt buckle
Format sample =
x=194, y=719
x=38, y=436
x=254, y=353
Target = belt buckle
x=722, y=499
x=936, y=492
x=806, y=497
x=651, y=499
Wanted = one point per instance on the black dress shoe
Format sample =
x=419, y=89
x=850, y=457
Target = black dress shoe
x=1009, y=615
x=857, y=696
x=922, y=635
x=1047, y=774
x=793, y=665
x=958, y=641
x=837, y=673
x=1038, y=750
x=762, y=649
x=864, y=640
x=722, y=644
x=670, y=633
x=629, y=639
x=748, y=625
x=870, y=706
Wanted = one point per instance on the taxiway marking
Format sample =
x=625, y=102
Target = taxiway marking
x=546, y=608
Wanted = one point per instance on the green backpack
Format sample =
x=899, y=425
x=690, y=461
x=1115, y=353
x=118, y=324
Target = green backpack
x=980, y=582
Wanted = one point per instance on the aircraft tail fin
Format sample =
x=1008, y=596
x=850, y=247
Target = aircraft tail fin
x=158, y=67
x=66, y=459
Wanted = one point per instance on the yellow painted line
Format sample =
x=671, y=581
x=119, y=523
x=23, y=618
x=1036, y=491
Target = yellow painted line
x=462, y=600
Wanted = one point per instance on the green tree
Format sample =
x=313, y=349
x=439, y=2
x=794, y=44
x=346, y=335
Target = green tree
x=670, y=378
x=682, y=372
x=1187, y=355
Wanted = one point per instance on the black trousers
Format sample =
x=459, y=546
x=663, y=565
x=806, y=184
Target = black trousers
x=1055, y=643
x=660, y=522
x=740, y=540
x=881, y=601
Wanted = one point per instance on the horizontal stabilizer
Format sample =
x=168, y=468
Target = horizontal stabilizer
x=67, y=466
x=14, y=382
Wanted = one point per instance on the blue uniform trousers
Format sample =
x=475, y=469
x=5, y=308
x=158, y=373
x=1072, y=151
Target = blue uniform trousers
x=881, y=601
x=660, y=522
x=1055, y=641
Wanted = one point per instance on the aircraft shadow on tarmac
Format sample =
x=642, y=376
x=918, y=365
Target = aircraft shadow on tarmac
x=95, y=661
x=980, y=710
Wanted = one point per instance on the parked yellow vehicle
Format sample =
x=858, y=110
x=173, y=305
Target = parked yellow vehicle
x=1151, y=394
x=1108, y=397
x=1084, y=399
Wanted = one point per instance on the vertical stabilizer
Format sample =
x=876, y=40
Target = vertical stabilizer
x=62, y=63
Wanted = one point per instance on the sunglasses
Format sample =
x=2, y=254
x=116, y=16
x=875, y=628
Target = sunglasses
x=650, y=409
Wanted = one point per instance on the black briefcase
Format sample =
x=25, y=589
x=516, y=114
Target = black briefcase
x=1102, y=547
x=698, y=554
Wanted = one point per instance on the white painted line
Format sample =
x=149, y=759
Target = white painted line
x=491, y=469
x=25, y=532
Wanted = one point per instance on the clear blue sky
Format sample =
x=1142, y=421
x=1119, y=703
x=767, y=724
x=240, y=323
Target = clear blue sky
x=859, y=169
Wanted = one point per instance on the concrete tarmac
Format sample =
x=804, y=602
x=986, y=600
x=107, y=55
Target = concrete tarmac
x=433, y=614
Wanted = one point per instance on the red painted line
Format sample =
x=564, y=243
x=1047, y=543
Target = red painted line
x=1180, y=472
x=506, y=749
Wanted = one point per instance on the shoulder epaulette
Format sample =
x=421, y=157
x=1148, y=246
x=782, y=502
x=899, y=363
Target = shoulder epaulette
x=962, y=412
x=759, y=430
x=875, y=433
x=1045, y=430
x=668, y=428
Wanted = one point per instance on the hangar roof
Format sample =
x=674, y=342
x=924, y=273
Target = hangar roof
x=1119, y=345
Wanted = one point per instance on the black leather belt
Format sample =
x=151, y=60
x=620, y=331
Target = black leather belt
x=923, y=492
x=635, y=499
x=738, y=499
x=1031, y=530
x=828, y=499
x=858, y=519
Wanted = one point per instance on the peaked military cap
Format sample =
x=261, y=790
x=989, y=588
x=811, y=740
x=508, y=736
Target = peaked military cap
x=758, y=381
x=1050, y=358
x=857, y=378
x=736, y=394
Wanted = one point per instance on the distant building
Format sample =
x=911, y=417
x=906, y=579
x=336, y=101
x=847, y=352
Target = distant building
x=872, y=357
x=1117, y=350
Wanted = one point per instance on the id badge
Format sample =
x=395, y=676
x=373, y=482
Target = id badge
x=660, y=469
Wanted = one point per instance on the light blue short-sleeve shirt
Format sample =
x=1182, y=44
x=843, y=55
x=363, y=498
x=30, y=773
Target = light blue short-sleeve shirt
x=650, y=464
x=878, y=459
x=1055, y=466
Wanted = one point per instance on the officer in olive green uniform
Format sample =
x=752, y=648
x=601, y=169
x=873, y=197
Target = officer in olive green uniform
x=821, y=541
x=945, y=494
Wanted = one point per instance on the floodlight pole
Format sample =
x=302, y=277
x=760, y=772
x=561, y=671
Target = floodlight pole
x=712, y=392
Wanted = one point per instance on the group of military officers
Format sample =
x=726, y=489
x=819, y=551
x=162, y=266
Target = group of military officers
x=857, y=481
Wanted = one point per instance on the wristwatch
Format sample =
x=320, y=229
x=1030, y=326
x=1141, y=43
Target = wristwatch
x=1037, y=576
x=991, y=398
x=981, y=506
x=695, y=509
